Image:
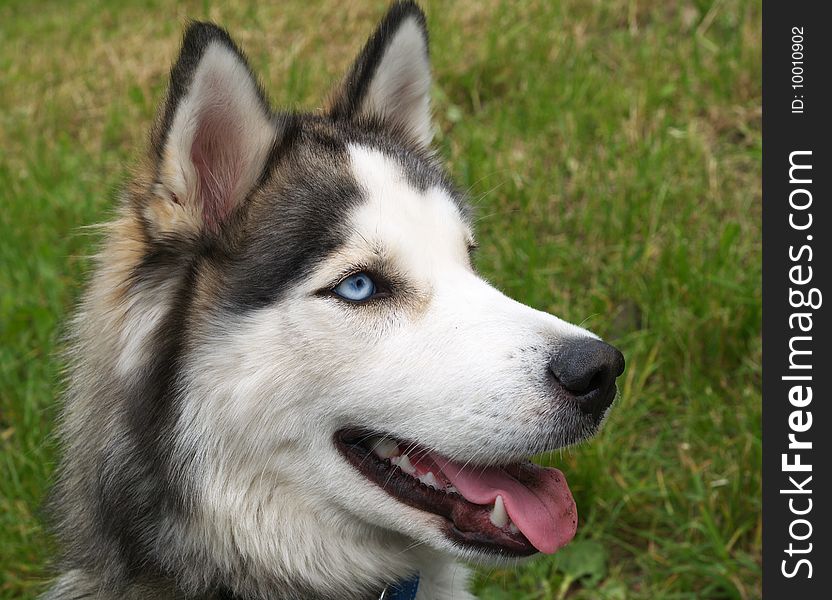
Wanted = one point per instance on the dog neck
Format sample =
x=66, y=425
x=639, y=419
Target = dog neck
x=401, y=590
x=405, y=589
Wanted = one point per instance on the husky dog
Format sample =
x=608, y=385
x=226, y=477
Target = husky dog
x=287, y=380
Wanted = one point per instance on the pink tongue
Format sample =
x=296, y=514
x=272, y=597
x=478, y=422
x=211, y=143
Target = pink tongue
x=545, y=512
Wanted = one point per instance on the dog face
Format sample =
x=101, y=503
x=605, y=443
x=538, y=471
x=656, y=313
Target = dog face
x=331, y=382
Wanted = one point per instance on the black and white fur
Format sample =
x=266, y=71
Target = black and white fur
x=209, y=370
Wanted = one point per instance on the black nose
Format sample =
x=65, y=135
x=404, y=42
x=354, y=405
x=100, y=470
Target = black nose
x=588, y=369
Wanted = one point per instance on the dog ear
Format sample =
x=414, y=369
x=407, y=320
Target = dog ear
x=390, y=80
x=215, y=129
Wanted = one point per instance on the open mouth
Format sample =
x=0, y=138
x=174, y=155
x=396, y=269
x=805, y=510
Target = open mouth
x=512, y=510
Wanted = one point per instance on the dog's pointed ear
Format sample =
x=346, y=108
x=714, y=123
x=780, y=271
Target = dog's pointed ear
x=390, y=80
x=215, y=129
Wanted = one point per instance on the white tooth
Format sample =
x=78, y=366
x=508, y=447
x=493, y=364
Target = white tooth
x=429, y=479
x=384, y=447
x=403, y=462
x=499, y=516
x=513, y=528
x=451, y=490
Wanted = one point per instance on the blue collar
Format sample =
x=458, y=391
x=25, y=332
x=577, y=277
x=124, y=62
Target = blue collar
x=401, y=590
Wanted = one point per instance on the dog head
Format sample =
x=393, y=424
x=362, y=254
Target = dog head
x=318, y=378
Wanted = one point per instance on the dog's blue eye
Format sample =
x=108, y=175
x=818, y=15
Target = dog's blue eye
x=357, y=288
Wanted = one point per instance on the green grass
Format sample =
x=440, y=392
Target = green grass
x=613, y=150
